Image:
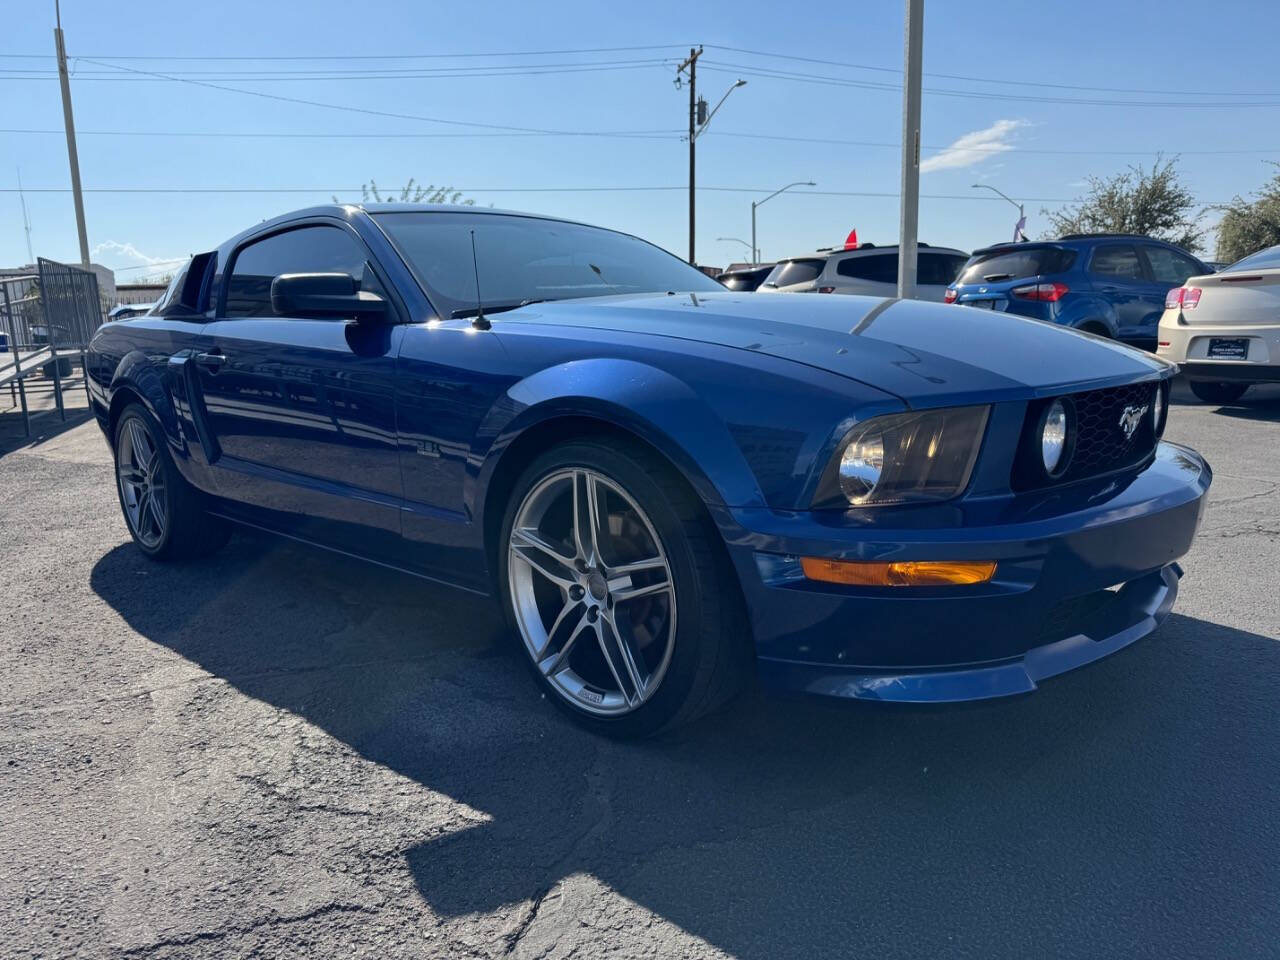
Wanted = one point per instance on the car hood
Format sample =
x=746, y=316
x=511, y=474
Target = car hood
x=925, y=353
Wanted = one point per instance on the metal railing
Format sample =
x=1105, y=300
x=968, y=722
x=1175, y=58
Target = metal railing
x=45, y=320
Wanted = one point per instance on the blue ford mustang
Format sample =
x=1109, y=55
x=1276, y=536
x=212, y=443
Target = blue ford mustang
x=666, y=485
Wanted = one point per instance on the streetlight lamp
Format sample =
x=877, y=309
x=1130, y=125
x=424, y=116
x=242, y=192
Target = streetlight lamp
x=755, y=251
x=734, y=240
x=1021, y=214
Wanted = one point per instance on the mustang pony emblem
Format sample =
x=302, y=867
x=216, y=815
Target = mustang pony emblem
x=1130, y=419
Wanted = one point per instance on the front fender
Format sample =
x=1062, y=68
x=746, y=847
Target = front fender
x=643, y=400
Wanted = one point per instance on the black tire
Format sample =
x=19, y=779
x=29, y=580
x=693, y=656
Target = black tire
x=1097, y=329
x=1210, y=392
x=189, y=531
x=711, y=658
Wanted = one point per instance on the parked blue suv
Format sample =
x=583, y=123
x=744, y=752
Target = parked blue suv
x=1109, y=284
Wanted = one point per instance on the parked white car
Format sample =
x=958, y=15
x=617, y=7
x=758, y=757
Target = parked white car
x=1223, y=329
x=868, y=270
x=794, y=274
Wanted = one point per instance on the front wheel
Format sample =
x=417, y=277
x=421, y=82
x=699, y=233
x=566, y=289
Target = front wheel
x=614, y=581
x=1210, y=392
x=165, y=515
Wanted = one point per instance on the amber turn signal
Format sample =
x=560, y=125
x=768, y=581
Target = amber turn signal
x=907, y=573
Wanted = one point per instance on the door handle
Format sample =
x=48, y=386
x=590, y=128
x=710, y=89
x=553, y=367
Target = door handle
x=212, y=361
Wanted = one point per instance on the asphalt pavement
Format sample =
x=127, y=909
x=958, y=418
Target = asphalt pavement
x=278, y=752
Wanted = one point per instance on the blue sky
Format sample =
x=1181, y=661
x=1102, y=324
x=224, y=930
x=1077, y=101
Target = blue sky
x=1033, y=146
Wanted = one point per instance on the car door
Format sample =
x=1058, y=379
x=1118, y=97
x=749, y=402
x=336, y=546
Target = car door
x=302, y=408
x=1117, y=272
x=1168, y=268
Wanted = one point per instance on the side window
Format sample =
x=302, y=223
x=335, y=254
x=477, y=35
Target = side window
x=183, y=298
x=1117, y=262
x=1169, y=266
x=315, y=249
x=878, y=268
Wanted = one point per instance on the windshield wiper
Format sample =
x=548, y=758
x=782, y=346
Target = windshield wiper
x=496, y=308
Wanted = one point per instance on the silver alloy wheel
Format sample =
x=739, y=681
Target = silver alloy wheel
x=141, y=479
x=585, y=563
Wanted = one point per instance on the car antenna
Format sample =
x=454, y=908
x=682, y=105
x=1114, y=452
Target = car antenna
x=480, y=323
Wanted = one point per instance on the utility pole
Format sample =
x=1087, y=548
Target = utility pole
x=70, y=124
x=910, y=211
x=691, y=64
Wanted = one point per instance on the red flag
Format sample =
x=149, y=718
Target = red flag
x=851, y=241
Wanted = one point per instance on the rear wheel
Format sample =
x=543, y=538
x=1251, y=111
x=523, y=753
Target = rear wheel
x=1211, y=392
x=614, y=581
x=165, y=514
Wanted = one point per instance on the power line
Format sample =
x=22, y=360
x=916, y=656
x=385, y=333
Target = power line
x=354, y=56
x=634, y=134
x=1020, y=82
x=350, y=109
x=607, y=189
x=282, y=135
x=291, y=76
x=750, y=70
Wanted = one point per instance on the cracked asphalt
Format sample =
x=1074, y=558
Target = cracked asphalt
x=282, y=753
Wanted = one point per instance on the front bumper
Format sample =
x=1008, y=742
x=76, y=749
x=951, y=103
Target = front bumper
x=1082, y=572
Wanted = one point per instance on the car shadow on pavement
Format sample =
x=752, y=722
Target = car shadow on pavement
x=1125, y=809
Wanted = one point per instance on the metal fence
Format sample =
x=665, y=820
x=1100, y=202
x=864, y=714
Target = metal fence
x=46, y=320
x=71, y=308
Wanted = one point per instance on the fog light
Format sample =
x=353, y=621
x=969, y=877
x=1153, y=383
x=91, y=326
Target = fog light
x=1053, y=438
x=904, y=573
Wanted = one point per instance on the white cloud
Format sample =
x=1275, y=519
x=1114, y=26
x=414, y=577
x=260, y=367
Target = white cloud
x=973, y=148
x=132, y=253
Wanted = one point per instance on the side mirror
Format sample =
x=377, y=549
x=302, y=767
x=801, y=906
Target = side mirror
x=325, y=295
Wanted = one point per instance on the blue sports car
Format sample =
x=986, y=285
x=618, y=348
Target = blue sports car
x=668, y=487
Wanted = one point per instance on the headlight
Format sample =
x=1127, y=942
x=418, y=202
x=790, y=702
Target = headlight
x=1053, y=438
x=904, y=458
x=1158, y=410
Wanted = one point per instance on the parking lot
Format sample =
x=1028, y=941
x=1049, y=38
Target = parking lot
x=281, y=752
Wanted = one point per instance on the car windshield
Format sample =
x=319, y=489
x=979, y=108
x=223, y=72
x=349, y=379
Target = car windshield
x=527, y=259
x=794, y=271
x=1262, y=260
x=993, y=266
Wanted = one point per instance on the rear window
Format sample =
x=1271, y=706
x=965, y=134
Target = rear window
x=998, y=265
x=1262, y=260
x=938, y=268
x=738, y=283
x=795, y=271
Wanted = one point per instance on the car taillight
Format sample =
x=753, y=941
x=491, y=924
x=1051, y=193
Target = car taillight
x=1184, y=297
x=826, y=289
x=950, y=295
x=1173, y=298
x=1048, y=292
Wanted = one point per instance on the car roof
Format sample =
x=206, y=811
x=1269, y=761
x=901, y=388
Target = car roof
x=893, y=248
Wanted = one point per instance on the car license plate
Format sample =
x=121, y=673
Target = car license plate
x=981, y=304
x=1233, y=348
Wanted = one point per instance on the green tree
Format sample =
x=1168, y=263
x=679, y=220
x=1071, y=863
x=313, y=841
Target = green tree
x=412, y=192
x=1248, y=226
x=1151, y=203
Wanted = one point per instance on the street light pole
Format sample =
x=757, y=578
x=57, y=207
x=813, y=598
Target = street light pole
x=70, y=125
x=755, y=251
x=910, y=209
x=1021, y=213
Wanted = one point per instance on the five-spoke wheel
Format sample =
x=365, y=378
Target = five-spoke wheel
x=142, y=483
x=618, y=586
x=593, y=591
